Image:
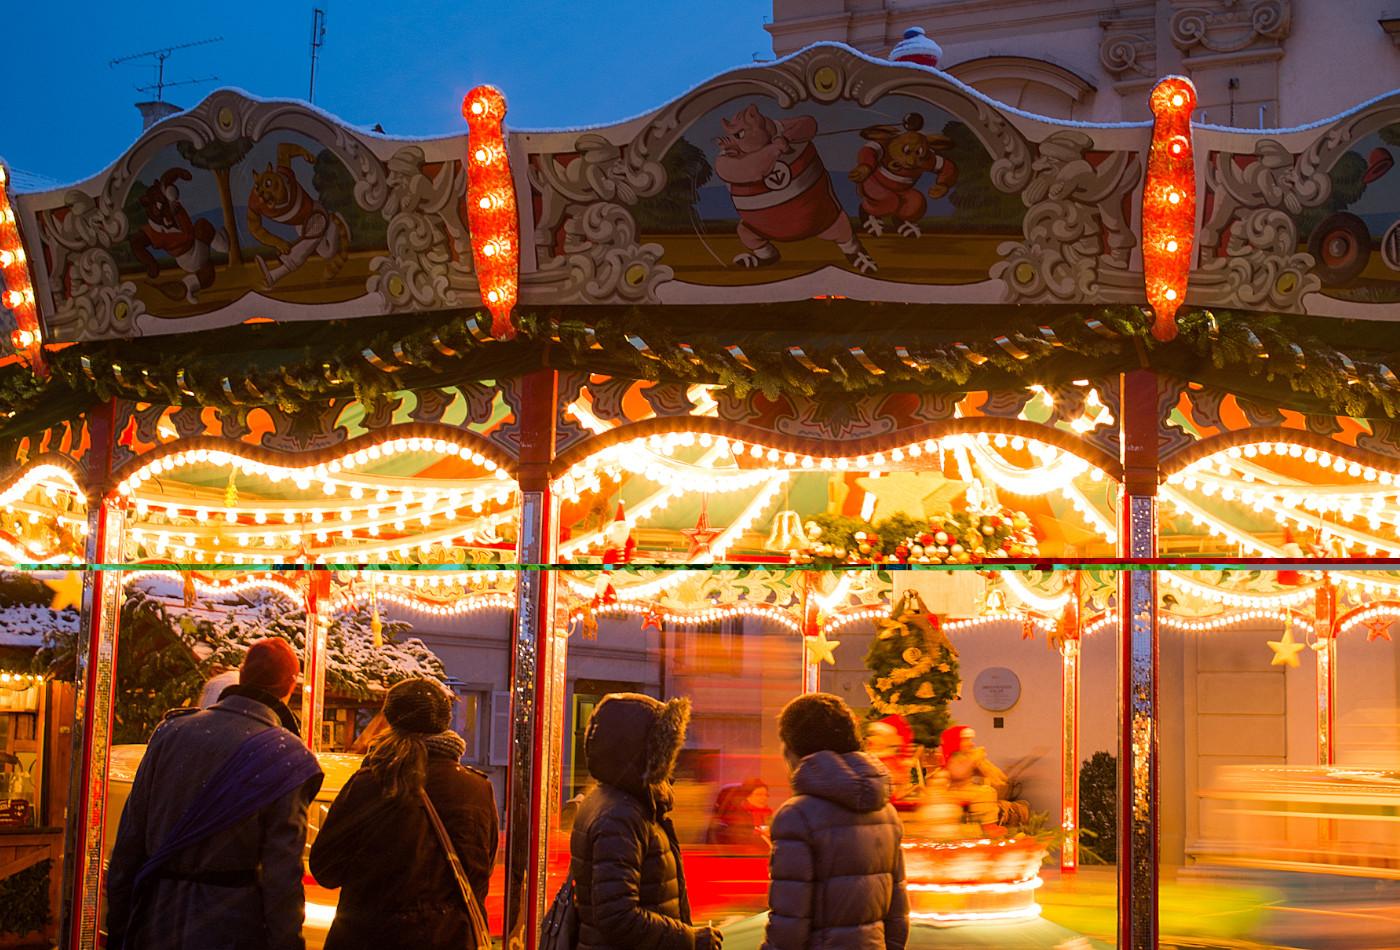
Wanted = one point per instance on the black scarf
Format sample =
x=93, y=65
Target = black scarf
x=258, y=695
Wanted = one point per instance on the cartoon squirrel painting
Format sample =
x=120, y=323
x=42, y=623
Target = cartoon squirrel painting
x=890, y=167
x=170, y=229
x=781, y=189
x=279, y=197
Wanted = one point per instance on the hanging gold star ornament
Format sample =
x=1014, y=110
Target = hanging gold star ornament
x=820, y=649
x=1285, y=649
x=67, y=590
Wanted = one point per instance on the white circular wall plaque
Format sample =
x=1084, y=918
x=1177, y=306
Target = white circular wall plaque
x=996, y=689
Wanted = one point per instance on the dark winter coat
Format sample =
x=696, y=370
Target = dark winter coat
x=239, y=889
x=626, y=859
x=837, y=868
x=396, y=885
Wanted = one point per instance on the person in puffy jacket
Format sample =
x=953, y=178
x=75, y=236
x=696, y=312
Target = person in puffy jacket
x=629, y=882
x=837, y=870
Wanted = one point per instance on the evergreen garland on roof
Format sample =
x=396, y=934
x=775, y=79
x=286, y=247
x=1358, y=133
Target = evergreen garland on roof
x=809, y=348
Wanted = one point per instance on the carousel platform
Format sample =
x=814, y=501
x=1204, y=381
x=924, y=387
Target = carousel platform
x=1038, y=933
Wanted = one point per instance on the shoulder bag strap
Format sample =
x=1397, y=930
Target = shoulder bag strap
x=481, y=930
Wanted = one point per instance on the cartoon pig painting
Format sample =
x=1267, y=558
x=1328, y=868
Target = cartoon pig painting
x=781, y=189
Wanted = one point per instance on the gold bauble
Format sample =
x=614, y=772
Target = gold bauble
x=912, y=655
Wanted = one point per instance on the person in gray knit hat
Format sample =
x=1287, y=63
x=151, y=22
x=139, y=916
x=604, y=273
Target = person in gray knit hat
x=378, y=846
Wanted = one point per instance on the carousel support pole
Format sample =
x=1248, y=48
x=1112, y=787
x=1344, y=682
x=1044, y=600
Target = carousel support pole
x=537, y=670
x=313, y=678
x=1069, y=739
x=1137, y=669
x=811, y=665
x=95, y=675
x=1325, y=605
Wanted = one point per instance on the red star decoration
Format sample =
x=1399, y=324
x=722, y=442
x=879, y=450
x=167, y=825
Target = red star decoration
x=702, y=535
x=652, y=619
x=1378, y=630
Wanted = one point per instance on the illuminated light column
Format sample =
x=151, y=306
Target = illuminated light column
x=95, y=676
x=313, y=668
x=811, y=625
x=1137, y=669
x=1326, y=629
x=491, y=210
x=1169, y=203
x=1069, y=737
x=18, y=287
x=538, y=656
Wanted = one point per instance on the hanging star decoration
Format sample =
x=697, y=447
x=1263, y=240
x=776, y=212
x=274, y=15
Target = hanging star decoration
x=652, y=619
x=702, y=536
x=67, y=591
x=1285, y=649
x=820, y=649
x=911, y=493
x=1378, y=629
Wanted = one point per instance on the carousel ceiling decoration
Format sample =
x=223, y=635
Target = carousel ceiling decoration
x=43, y=517
x=214, y=506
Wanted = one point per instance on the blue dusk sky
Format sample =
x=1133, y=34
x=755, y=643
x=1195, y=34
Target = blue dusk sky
x=404, y=65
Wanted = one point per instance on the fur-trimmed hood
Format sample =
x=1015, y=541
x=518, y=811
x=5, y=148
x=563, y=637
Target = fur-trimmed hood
x=633, y=741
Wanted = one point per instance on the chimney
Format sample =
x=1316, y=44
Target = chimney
x=153, y=112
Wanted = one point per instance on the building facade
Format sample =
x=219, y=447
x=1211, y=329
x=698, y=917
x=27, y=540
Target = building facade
x=1257, y=64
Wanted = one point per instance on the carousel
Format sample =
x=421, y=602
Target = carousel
x=715, y=363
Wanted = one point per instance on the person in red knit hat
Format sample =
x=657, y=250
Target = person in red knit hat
x=210, y=843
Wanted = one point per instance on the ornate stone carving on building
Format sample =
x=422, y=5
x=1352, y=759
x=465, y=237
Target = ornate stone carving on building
x=1229, y=26
x=1128, y=49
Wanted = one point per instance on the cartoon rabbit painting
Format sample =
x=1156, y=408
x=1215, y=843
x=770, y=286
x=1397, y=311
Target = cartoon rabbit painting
x=781, y=188
x=888, y=170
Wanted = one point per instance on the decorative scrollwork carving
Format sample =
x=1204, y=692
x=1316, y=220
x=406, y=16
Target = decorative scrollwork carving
x=1074, y=227
x=429, y=260
x=1228, y=26
x=1122, y=53
x=1253, y=209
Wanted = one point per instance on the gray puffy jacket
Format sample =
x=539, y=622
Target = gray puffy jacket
x=837, y=868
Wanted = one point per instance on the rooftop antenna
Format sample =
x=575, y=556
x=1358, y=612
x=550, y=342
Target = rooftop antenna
x=318, y=39
x=160, y=56
x=157, y=109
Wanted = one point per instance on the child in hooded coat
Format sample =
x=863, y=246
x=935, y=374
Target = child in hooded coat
x=837, y=868
x=630, y=884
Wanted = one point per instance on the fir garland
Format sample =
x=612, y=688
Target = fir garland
x=816, y=349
